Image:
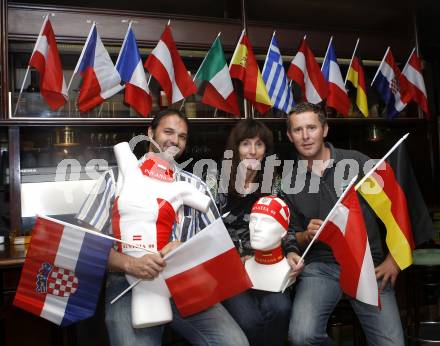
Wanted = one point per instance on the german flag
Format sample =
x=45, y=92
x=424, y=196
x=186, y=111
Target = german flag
x=244, y=67
x=356, y=76
x=393, y=193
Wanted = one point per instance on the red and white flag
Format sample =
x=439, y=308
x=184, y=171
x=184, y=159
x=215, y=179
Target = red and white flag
x=46, y=60
x=305, y=71
x=166, y=65
x=412, y=72
x=205, y=270
x=346, y=234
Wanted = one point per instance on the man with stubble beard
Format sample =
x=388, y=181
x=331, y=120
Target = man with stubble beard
x=169, y=131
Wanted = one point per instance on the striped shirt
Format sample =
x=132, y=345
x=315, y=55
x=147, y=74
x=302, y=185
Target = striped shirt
x=96, y=211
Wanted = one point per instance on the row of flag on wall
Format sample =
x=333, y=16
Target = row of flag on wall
x=101, y=79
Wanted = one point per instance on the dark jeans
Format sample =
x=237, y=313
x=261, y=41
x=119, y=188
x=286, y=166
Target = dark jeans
x=263, y=316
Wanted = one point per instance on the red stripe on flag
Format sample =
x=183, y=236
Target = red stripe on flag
x=137, y=98
x=213, y=98
x=207, y=284
x=338, y=99
x=46, y=236
x=159, y=72
x=399, y=206
x=90, y=91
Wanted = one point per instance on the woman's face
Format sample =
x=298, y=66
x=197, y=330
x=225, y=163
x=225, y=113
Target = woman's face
x=251, y=152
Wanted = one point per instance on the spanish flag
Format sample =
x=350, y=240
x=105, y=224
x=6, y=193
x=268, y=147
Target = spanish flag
x=392, y=192
x=244, y=67
x=356, y=76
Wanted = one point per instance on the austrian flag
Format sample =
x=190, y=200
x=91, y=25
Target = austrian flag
x=166, y=65
x=46, y=60
x=346, y=234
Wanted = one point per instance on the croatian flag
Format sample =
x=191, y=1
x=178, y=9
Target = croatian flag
x=101, y=80
x=337, y=97
x=63, y=272
x=166, y=65
x=346, y=234
x=390, y=85
x=274, y=76
x=129, y=65
x=205, y=270
x=46, y=60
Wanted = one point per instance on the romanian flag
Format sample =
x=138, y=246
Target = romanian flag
x=392, y=192
x=244, y=67
x=356, y=76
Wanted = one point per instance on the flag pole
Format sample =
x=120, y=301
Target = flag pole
x=381, y=63
x=324, y=223
x=21, y=89
x=46, y=17
x=351, y=61
x=98, y=234
x=326, y=52
x=407, y=62
x=359, y=184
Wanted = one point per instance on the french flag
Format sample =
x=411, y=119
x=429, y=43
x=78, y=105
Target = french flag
x=304, y=70
x=101, y=80
x=46, y=59
x=63, y=272
x=130, y=68
x=166, y=65
x=205, y=270
x=337, y=97
x=412, y=72
x=392, y=88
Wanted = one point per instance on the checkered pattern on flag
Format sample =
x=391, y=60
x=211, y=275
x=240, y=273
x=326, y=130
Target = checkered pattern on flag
x=63, y=272
x=275, y=79
x=62, y=282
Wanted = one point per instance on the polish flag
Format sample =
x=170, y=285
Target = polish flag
x=305, y=71
x=129, y=65
x=101, y=80
x=166, y=65
x=346, y=234
x=205, y=270
x=412, y=72
x=337, y=97
x=46, y=60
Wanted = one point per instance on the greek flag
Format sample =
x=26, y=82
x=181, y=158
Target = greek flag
x=275, y=79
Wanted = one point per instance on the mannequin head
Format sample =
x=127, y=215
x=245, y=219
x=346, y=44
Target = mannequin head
x=268, y=224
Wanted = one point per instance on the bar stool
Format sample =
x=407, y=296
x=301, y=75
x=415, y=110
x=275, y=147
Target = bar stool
x=425, y=282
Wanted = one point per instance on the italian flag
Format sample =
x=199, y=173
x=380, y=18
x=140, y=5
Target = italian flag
x=214, y=82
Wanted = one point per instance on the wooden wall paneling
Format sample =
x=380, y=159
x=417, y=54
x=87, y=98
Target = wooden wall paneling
x=14, y=178
x=3, y=59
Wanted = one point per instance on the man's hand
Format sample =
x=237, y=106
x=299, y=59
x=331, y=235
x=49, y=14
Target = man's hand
x=305, y=237
x=387, y=270
x=146, y=267
x=169, y=247
x=297, y=266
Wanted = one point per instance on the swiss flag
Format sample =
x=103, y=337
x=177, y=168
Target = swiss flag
x=205, y=270
x=165, y=64
x=346, y=234
x=46, y=60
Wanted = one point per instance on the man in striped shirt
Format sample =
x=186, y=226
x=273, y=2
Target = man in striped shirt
x=169, y=129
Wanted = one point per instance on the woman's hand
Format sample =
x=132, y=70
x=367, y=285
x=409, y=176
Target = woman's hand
x=296, y=264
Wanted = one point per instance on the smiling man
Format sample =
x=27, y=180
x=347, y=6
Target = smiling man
x=318, y=290
x=169, y=131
